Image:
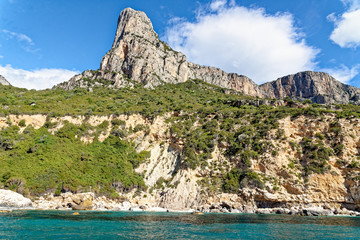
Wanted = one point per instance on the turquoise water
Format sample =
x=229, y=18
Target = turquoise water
x=141, y=225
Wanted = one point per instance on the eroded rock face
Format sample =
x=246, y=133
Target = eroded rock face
x=3, y=81
x=317, y=86
x=10, y=199
x=138, y=54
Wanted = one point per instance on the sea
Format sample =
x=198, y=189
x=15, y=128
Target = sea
x=150, y=225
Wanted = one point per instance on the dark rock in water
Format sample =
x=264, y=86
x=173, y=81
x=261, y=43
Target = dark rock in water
x=317, y=212
x=78, y=207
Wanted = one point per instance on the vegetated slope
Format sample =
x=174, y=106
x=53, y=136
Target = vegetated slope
x=139, y=56
x=195, y=147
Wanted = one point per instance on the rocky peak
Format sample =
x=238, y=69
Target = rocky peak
x=138, y=54
x=134, y=23
x=319, y=87
x=3, y=81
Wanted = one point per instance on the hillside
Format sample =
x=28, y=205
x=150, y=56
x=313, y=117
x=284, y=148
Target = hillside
x=150, y=129
x=180, y=146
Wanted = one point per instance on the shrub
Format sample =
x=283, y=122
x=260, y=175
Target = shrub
x=237, y=178
x=22, y=123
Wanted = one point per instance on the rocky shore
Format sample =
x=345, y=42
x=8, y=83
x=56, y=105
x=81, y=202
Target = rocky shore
x=88, y=201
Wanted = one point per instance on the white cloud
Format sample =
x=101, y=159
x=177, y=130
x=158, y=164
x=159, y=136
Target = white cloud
x=25, y=41
x=346, y=33
x=351, y=4
x=217, y=5
x=243, y=40
x=36, y=79
x=343, y=73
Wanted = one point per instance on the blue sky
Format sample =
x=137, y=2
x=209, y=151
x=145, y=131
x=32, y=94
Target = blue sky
x=45, y=42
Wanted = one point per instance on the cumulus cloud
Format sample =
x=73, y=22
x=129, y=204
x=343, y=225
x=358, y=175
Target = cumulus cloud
x=343, y=73
x=243, y=40
x=346, y=32
x=37, y=79
x=25, y=41
x=351, y=4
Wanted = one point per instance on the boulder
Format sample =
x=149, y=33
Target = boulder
x=10, y=199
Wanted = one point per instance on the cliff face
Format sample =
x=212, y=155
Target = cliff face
x=316, y=86
x=284, y=184
x=138, y=54
x=3, y=81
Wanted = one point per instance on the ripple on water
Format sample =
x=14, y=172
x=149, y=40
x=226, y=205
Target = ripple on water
x=142, y=225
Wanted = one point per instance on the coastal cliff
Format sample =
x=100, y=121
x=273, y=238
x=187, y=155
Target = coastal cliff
x=310, y=163
x=151, y=131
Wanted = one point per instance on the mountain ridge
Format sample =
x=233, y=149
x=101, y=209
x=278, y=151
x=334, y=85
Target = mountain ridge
x=138, y=54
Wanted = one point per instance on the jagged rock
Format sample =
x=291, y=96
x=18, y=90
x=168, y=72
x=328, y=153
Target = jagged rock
x=138, y=54
x=10, y=199
x=317, y=212
x=3, y=81
x=319, y=87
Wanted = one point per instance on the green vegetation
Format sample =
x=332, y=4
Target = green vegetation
x=37, y=161
x=237, y=179
x=315, y=156
x=204, y=117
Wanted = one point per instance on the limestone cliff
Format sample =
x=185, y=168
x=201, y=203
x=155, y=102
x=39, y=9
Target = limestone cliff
x=3, y=81
x=317, y=86
x=138, y=54
x=284, y=183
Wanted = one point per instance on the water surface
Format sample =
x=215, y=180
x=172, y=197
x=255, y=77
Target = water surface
x=143, y=225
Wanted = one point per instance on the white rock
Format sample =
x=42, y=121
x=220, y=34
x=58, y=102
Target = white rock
x=136, y=209
x=156, y=209
x=10, y=199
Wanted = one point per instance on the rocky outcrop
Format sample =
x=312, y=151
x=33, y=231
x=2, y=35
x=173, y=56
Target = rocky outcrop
x=138, y=54
x=13, y=200
x=3, y=81
x=286, y=189
x=319, y=87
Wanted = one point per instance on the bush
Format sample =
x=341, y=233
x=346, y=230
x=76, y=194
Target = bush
x=237, y=179
x=22, y=123
x=41, y=162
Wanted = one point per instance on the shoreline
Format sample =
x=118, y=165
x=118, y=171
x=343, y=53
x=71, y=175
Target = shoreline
x=11, y=201
x=263, y=211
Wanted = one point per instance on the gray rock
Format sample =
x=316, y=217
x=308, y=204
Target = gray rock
x=138, y=54
x=317, y=212
x=319, y=87
x=3, y=81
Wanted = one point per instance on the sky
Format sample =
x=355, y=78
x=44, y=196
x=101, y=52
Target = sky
x=45, y=42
